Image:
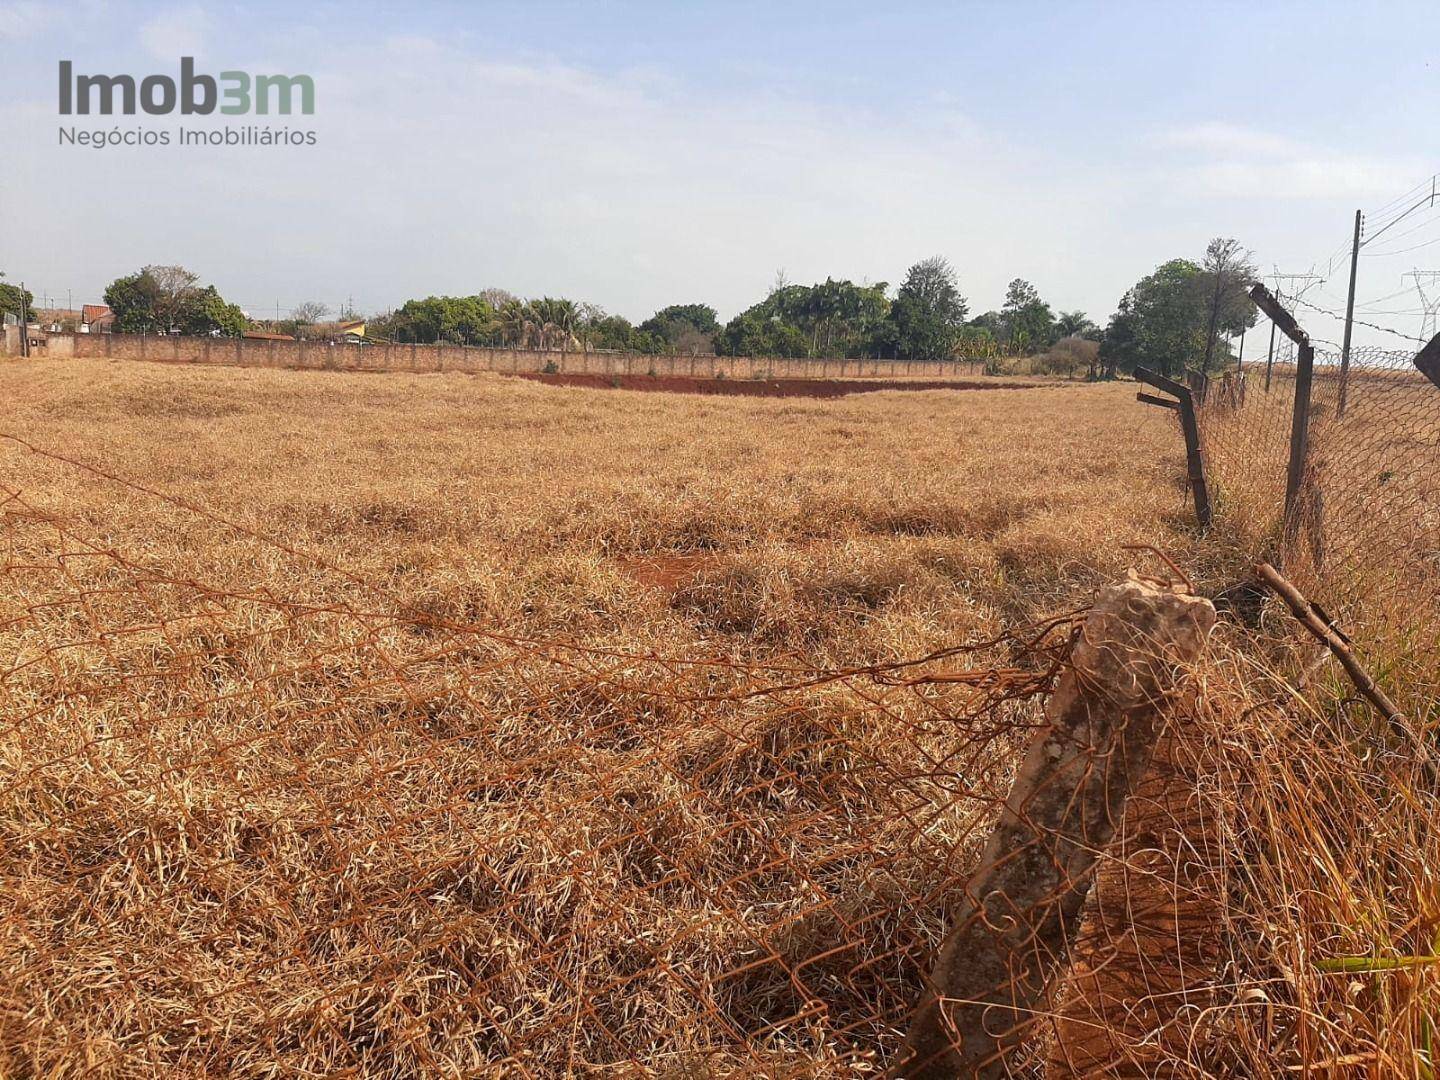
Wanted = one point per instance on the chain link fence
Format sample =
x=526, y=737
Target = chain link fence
x=1364, y=533
x=257, y=826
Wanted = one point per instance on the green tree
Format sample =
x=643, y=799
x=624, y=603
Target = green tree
x=206, y=312
x=761, y=331
x=556, y=321
x=134, y=300
x=1228, y=271
x=684, y=328
x=1076, y=324
x=827, y=319
x=928, y=313
x=1028, y=321
x=170, y=299
x=1160, y=322
x=459, y=320
x=1120, y=343
x=701, y=316
x=976, y=342
x=14, y=300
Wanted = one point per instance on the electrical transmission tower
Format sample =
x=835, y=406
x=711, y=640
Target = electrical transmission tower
x=1295, y=286
x=1427, y=284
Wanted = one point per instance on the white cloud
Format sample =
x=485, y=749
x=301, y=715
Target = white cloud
x=1332, y=177
x=24, y=19
x=176, y=33
x=1226, y=160
x=1220, y=138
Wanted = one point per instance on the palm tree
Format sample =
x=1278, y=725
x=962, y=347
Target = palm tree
x=515, y=324
x=1074, y=324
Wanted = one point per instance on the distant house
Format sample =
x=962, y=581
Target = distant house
x=96, y=319
x=351, y=329
x=58, y=320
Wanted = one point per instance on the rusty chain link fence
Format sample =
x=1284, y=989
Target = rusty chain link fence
x=252, y=831
x=1363, y=537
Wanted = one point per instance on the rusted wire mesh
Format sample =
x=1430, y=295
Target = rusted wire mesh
x=249, y=834
x=248, y=830
x=1365, y=540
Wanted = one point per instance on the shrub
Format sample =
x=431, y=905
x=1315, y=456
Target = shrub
x=1072, y=357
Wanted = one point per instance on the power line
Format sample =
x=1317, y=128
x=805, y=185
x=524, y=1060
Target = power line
x=1401, y=251
x=1429, y=181
x=1430, y=299
x=1361, y=322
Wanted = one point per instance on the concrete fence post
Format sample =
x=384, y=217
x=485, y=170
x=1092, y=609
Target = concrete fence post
x=1010, y=943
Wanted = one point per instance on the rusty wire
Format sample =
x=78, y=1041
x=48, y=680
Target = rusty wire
x=246, y=834
x=1365, y=540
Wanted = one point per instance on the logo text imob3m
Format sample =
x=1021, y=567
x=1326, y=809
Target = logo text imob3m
x=236, y=93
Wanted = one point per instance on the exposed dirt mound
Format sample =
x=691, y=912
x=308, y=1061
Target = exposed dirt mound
x=816, y=388
x=667, y=572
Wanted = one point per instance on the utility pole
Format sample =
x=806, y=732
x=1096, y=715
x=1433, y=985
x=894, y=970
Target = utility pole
x=1425, y=202
x=1349, y=314
x=24, y=324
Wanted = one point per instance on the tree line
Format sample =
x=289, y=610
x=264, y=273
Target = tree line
x=1179, y=316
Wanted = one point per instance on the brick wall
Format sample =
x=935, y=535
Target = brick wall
x=249, y=352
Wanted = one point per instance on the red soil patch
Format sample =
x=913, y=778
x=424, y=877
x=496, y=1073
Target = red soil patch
x=666, y=572
x=814, y=388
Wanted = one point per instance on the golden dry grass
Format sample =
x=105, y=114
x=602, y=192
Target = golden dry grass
x=537, y=752
x=245, y=836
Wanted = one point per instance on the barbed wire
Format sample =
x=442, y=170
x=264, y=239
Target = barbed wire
x=1359, y=322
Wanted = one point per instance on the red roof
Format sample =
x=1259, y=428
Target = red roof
x=92, y=313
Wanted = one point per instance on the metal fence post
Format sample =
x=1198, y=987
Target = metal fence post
x=1300, y=417
x=1184, y=404
x=1299, y=433
x=1428, y=360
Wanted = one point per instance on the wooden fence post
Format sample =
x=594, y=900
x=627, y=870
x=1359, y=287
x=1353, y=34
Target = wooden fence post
x=1000, y=964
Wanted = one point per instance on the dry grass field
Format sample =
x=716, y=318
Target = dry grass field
x=879, y=525
x=398, y=725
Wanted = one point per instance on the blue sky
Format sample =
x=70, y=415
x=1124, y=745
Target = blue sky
x=643, y=154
